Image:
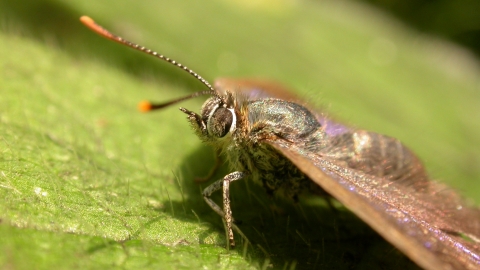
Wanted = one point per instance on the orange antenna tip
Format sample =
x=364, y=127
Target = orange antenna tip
x=145, y=106
x=86, y=20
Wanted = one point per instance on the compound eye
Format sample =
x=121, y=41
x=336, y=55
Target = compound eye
x=220, y=122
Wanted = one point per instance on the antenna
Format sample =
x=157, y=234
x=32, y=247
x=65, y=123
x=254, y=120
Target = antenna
x=146, y=105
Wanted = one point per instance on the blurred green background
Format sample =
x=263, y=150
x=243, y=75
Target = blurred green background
x=454, y=20
x=87, y=181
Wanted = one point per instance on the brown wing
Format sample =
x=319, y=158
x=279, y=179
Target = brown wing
x=255, y=88
x=434, y=228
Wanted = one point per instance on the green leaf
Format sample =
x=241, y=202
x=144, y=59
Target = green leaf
x=87, y=181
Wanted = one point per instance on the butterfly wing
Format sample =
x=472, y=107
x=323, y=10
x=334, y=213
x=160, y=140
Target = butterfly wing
x=254, y=88
x=433, y=228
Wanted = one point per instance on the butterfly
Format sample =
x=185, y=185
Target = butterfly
x=269, y=136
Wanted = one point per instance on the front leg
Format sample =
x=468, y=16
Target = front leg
x=226, y=213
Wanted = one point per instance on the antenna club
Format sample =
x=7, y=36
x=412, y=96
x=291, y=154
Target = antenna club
x=86, y=20
x=145, y=106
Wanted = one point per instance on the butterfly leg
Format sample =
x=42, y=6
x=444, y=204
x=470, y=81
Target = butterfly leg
x=226, y=213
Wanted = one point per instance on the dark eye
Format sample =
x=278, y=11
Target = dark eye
x=220, y=122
